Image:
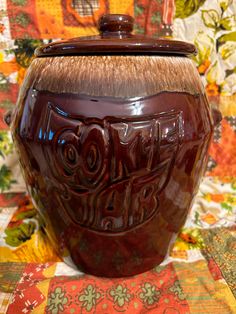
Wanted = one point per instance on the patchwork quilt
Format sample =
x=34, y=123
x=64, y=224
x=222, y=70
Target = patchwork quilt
x=199, y=275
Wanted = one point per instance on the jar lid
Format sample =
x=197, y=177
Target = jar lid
x=116, y=38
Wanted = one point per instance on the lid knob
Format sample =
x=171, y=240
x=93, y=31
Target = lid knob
x=117, y=24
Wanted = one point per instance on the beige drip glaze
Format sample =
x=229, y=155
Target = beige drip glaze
x=114, y=76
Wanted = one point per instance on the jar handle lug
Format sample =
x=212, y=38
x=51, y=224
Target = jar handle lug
x=8, y=117
x=217, y=116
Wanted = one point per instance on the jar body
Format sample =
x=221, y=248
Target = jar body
x=113, y=178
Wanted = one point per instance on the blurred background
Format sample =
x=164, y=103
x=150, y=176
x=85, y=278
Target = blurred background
x=200, y=268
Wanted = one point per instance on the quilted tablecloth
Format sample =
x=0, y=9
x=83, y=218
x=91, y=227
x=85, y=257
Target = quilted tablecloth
x=199, y=274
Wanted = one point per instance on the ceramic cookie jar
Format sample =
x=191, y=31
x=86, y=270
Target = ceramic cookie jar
x=112, y=133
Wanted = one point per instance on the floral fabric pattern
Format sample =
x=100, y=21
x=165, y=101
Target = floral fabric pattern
x=211, y=26
x=120, y=295
x=56, y=301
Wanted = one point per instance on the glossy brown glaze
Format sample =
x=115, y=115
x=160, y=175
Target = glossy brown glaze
x=116, y=38
x=115, y=24
x=113, y=146
x=113, y=178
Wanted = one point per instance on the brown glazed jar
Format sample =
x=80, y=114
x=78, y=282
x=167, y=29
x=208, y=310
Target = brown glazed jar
x=112, y=133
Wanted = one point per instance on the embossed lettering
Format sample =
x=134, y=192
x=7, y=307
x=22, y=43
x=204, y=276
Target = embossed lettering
x=135, y=147
x=114, y=171
x=93, y=154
